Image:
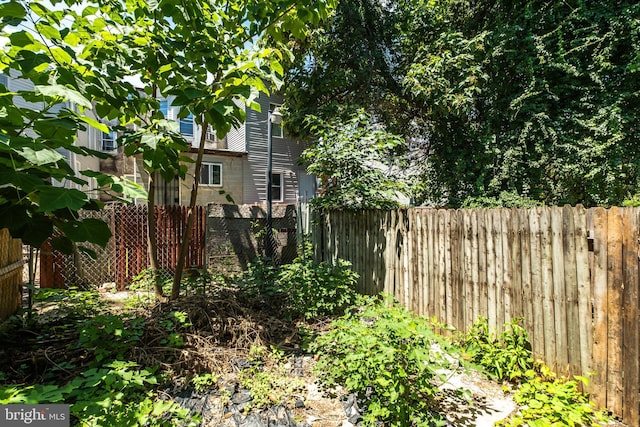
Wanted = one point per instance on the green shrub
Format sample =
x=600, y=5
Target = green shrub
x=259, y=280
x=302, y=288
x=386, y=355
x=204, y=382
x=313, y=290
x=548, y=401
x=544, y=400
x=504, y=357
x=145, y=280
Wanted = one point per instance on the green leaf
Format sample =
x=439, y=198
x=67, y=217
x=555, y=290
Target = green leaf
x=65, y=93
x=54, y=198
x=39, y=229
x=32, y=61
x=88, y=230
x=128, y=188
x=150, y=140
x=41, y=156
x=62, y=244
x=21, y=38
x=47, y=30
x=94, y=123
x=12, y=9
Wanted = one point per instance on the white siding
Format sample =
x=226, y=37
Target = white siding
x=236, y=139
x=16, y=84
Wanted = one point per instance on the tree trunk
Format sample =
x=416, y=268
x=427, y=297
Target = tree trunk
x=184, y=247
x=152, y=239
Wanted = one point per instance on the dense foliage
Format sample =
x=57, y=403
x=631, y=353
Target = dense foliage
x=544, y=399
x=386, y=355
x=535, y=99
x=302, y=288
x=354, y=160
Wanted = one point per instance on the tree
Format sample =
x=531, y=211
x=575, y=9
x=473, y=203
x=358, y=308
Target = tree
x=543, y=96
x=355, y=164
x=347, y=65
x=532, y=100
x=33, y=137
x=213, y=57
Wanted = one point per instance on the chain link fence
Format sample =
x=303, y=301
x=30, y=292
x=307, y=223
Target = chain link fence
x=224, y=239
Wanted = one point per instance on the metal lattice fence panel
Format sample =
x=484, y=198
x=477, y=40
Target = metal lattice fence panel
x=127, y=254
x=130, y=243
x=58, y=270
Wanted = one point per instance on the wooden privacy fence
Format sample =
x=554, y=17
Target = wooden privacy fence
x=11, y=262
x=570, y=273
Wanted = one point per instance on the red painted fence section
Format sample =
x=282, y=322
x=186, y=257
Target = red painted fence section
x=126, y=254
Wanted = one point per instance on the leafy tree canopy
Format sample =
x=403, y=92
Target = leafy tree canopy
x=534, y=99
x=83, y=56
x=354, y=162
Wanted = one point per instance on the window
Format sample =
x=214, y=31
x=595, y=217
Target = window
x=277, y=185
x=186, y=125
x=4, y=80
x=164, y=108
x=276, y=129
x=211, y=174
x=109, y=141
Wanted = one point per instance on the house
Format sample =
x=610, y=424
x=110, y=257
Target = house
x=89, y=138
x=234, y=167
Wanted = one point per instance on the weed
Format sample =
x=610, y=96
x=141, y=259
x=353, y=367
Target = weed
x=204, y=382
x=544, y=399
x=504, y=357
x=259, y=280
x=548, y=401
x=314, y=290
x=383, y=353
x=270, y=385
x=302, y=288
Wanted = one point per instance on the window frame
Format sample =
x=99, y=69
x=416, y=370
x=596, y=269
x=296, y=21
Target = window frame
x=187, y=121
x=113, y=136
x=164, y=108
x=211, y=175
x=279, y=187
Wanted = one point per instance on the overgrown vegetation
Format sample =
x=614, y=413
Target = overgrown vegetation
x=503, y=357
x=385, y=355
x=125, y=366
x=303, y=288
x=544, y=399
x=532, y=99
x=118, y=394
